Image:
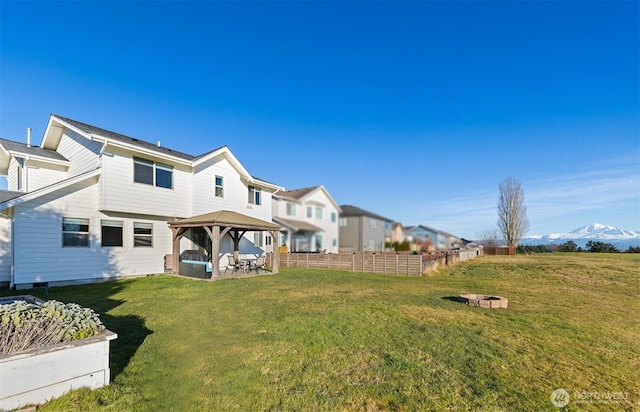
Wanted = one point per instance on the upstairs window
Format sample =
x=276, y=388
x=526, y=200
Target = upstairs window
x=291, y=209
x=342, y=222
x=219, y=187
x=142, y=234
x=333, y=217
x=254, y=195
x=152, y=173
x=309, y=212
x=318, y=212
x=75, y=232
x=111, y=232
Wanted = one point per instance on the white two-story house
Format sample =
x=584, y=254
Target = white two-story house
x=308, y=218
x=89, y=204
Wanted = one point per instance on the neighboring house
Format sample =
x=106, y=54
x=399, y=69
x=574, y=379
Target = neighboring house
x=439, y=239
x=361, y=230
x=90, y=204
x=396, y=235
x=309, y=220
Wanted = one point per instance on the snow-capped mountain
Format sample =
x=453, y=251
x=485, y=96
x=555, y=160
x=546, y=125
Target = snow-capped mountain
x=619, y=237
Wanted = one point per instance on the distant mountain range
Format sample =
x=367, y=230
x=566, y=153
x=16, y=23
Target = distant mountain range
x=621, y=238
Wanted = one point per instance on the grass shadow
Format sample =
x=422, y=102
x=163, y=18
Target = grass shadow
x=452, y=298
x=132, y=333
x=131, y=328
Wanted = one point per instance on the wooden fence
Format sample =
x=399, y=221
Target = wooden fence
x=390, y=263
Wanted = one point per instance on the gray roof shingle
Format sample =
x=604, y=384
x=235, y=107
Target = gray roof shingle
x=8, y=195
x=125, y=139
x=348, y=211
x=23, y=148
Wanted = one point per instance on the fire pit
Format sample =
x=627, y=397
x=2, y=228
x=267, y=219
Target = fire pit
x=484, y=301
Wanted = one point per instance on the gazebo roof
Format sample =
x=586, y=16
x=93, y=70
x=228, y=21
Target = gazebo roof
x=225, y=218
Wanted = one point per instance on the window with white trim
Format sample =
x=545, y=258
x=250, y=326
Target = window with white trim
x=318, y=212
x=291, y=209
x=111, y=233
x=334, y=217
x=152, y=173
x=257, y=239
x=75, y=232
x=255, y=195
x=219, y=186
x=309, y=212
x=342, y=222
x=142, y=234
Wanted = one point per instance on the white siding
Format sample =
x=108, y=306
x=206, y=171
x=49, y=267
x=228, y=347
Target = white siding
x=5, y=249
x=330, y=229
x=80, y=151
x=12, y=176
x=41, y=174
x=40, y=256
x=122, y=194
x=236, y=191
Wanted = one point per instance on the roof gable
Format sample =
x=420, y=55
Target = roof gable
x=301, y=194
x=353, y=211
x=57, y=123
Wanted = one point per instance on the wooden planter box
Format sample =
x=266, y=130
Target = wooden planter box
x=38, y=375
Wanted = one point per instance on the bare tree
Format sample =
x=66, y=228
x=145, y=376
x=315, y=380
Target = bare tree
x=513, y=222
x=489, y=238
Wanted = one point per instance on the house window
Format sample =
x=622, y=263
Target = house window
x=75, y=232
x=291, y=209
x=219, y=187
x=318, y=243
x=164, y=176
x=142, y=234
x=257, y=239
x=318, y=212
x=254, y=195
x=283, y=239
x=333, y=217
x=309, y=212
x=373, y=223
x=151, y=173
x=343, y=222
x=335, y=242
x=111, y=232
x=267, y=240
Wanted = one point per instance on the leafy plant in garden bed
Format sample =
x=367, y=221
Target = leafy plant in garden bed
x=25, y=326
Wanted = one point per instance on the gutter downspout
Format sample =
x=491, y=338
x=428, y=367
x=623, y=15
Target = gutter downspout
x=11, y=265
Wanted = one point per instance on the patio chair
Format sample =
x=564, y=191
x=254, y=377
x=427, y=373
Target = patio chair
x=259, y=264
x=233, y=264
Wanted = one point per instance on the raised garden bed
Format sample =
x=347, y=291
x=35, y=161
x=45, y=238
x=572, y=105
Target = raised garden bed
x=34, y=376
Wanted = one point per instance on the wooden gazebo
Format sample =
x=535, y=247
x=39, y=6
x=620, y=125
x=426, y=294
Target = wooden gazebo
x=216, y=225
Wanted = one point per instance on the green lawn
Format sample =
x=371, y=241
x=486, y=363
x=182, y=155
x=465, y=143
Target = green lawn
x=325, y=340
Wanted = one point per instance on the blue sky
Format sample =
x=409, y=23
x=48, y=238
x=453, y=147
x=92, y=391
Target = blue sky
x=412, y=110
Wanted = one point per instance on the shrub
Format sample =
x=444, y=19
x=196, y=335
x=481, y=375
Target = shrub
x=29, y=325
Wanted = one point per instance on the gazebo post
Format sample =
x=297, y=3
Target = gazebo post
x=175, y=257
x=215, y=253
x=275, y=235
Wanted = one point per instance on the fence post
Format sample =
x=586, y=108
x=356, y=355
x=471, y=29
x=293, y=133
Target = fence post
x=385, y=264
x=397, y=264
x=329, y=261
x=373, y=263
x=307, y=255
x=420, y=265
x=353, y=262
